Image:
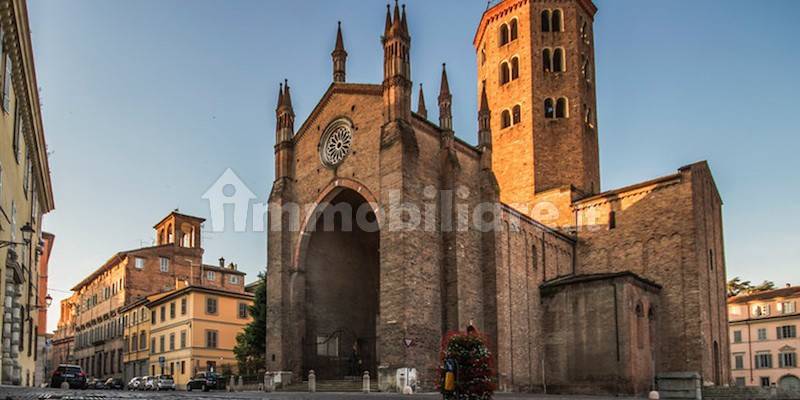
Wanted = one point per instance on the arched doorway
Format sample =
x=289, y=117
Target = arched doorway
x=342, y=268
x=789, y=382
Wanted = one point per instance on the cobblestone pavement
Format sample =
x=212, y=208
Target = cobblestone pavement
x=16, y=393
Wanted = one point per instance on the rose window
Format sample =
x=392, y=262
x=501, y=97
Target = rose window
x=336, y=145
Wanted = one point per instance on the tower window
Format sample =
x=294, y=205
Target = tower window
x=514, y=68
x=483, y=56
x=516, y=114
x=546, y=21
x=585, y=32
x=612, y=220
x=562, y=108
x=588, y=118
x=505, y=119
x=547, y=60
x=505, y=73
x=504, y=35
x=514, y=29
x=556, y=21
x=559, y=64
x=549, y=109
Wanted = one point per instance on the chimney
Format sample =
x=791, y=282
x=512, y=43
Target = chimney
x=222, y=262
x=788, y=285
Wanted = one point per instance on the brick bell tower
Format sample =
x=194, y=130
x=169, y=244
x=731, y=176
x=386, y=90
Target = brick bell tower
x=536, y=60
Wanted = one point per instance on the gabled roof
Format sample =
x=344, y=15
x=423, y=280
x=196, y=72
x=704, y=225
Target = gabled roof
x=337, y=87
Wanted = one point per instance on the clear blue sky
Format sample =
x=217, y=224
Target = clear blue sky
x=147, y=102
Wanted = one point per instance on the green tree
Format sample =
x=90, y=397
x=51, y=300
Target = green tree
x=737, y=286
x=251, y=343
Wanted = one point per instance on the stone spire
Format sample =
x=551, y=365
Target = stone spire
x=339, y=56
x=484, y=121
x=284, y=114
x=421, y=109
x=445, y=103
x=397, y=86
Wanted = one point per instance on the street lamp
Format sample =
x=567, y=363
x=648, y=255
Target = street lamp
x=48, y=300
x=27, y=232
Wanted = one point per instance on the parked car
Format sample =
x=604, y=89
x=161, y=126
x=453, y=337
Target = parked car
x=204, y=381
x=72, y=374
x=164, y=382
x=114, y=384
x=133, y=384
x=149, y=383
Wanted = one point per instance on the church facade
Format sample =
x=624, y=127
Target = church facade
x=386, y=230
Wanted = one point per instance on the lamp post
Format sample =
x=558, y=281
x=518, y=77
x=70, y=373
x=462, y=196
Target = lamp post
x=27, y=232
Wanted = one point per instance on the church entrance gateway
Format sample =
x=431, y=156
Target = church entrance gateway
x=342, y=266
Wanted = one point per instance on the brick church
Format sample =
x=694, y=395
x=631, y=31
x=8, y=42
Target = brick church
x=580, y=289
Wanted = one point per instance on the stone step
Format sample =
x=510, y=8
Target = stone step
x=347, y=386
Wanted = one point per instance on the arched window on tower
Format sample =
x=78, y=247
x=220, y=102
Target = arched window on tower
x=559, y=64
x=505, y=119
x=514, y=30
x=549, y=108
x=547, y=60
x=556, y=23
x=516, y=114
x=505, y=73
x=546, y=21
x=504, y=34
x=585, y=32
x=514, y=68
x=588, y=118
x=562, y=108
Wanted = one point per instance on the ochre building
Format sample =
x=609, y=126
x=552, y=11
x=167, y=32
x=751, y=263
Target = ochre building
x=577, y=287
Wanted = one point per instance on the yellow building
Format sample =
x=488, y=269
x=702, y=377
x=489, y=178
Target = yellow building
x=25, y=195
x=136, y=357
x=194, y=328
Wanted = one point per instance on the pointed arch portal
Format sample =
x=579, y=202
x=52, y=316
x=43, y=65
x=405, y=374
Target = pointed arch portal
x=339, y=256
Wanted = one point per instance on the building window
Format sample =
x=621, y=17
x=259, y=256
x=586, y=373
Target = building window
x=242, y=310
x=504, y=35
x=18, y=124
x=211, y=339
x=612, y=220
x=138, y=262
x=557, y=22
x=210, y=275
x=761, y=310
x=163, y=313
x=516, y=115
x=547, y=60
x=211, y=305
x=740, y=382
x=183, y=306
x=588, y=117
x=172, y=310
x=786, y=307
x=765, y=381
x=142, y=340
x=549, y=108
x=737, y=336
x=762, y=333
x=513, y=28
x=787, y=331
x=787, y=360
x=328, y=346
x=183, y=339
x=1, y=183
x=562, y=108
x=585, y=33
x=514, y=68
x=738, y=361
x=505, y=73
x=7, y=84
x=183, y=367
x=171, y=341
x=153, y=316
x=546, y=21
x=763, y=360
x=505, y=119
x=234, y=279
x=559, y=61
x=152, y=345
x=161, y=343
x=164, y=264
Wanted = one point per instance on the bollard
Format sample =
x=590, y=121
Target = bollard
x=241, y=384
x=653, y=395
x=312, y=381
x=230, y=385
x=365, y=386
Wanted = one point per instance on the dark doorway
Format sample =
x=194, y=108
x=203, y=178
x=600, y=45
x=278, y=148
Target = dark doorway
x=342, y=268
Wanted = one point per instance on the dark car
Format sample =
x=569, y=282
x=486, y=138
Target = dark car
x=204, y=381
x=72, y=374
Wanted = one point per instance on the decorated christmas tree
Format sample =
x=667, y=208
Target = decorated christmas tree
x=466, y=366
